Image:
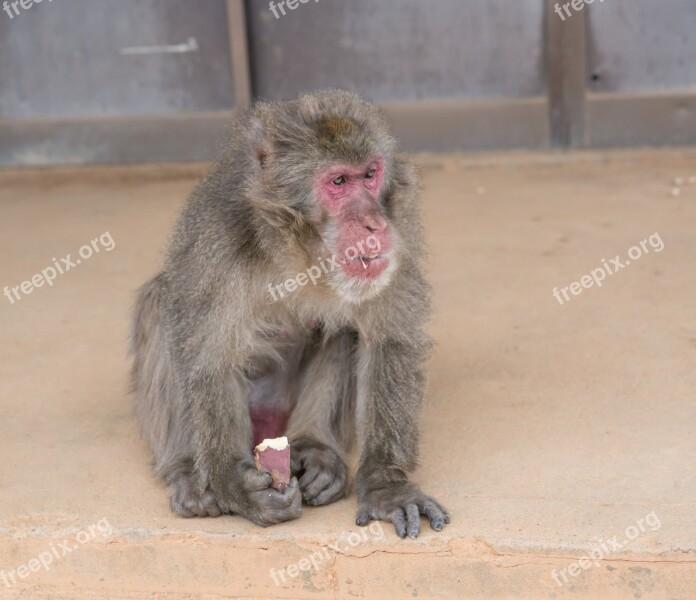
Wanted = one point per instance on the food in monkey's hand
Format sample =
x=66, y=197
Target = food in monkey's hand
x=273, y=455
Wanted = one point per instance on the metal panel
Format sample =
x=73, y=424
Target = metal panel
x=642, y=45
x=77, y=58
x=656, y=119
x=396, y=50
x=174, y=138
x=450, y=125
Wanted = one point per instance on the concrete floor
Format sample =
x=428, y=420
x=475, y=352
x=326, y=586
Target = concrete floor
x=569, y=424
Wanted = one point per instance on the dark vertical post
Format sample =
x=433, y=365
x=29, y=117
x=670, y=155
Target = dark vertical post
x=239, y=51
x=566, y=55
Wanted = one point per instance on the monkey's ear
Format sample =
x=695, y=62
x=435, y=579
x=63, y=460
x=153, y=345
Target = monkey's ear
x=260, y=142
x=261, y=157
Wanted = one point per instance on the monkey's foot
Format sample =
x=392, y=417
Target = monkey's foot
x=188, y=502
x=322, y=473
x=402, y=504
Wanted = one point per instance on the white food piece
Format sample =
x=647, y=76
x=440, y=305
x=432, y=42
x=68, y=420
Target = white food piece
x=280, y=443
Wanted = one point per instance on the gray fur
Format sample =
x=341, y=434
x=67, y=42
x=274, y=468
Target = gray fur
x=205, y=327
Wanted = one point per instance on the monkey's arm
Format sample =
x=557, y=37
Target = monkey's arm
x=216, y=398
x=322, y=424
x=390, y=393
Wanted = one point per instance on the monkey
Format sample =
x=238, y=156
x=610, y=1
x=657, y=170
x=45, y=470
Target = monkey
x=231, y=344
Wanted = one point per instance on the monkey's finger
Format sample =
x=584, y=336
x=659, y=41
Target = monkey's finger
x=398, y=518
x=309, y=476
x=293, y=497
x=323, y=480
x=435, y=514
x=335, y=491
x=271, y=506
x=277, y=500
x=295, y=464
x=292, y=489
x=413, y=516
x=255, y=481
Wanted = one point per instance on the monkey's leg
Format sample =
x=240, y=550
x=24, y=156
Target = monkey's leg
x=390, y=392
x=159, y=404
x=322, y=423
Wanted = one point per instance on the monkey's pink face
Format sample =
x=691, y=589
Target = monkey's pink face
x=356, y=231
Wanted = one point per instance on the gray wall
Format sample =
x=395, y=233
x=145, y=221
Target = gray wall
x=85, y=81
x=70, y=59
x=400, y=50
x=642, y=46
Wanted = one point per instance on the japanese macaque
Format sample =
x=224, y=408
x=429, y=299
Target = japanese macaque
x=292, y=302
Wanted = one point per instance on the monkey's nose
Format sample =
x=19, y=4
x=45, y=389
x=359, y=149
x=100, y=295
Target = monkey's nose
x=375, y=222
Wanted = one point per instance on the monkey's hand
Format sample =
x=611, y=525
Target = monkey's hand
x=323, y=474
x=250, y=494
x=402, y=504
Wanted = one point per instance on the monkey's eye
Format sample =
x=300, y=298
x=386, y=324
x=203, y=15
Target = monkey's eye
x=370, y=174
x=340, y=180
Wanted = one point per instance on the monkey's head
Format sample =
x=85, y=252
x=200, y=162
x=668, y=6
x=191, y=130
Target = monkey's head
x=324, y=166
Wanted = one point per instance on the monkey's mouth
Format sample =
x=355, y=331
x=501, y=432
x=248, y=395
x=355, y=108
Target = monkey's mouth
x=366, y=259
x=366, y=266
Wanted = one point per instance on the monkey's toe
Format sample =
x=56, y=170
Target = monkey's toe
x=187, y=502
